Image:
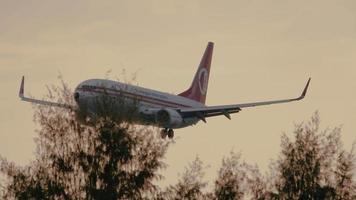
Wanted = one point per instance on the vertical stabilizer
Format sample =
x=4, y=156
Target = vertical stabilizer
x=199, y=87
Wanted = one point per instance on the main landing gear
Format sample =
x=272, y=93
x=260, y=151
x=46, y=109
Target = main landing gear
x=167, y=132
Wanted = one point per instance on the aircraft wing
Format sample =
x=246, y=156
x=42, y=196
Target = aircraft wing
x=226, y=110
x=37, y=101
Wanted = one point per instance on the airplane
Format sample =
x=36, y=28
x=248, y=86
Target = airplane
x=160, y=109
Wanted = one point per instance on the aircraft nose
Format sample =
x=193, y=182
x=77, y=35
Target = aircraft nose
x=76, y=96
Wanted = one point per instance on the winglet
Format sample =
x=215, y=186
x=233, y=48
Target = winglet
x=22, y=87
x=305, y=90
x=37, y=101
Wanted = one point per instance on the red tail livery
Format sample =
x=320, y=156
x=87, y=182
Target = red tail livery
x=199, y=87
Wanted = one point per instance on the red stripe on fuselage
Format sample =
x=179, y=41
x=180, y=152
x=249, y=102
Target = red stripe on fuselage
x=154, y=101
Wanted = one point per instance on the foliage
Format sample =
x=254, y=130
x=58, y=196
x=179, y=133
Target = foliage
x=230, y=183
x=190, y=184
x=314, y=165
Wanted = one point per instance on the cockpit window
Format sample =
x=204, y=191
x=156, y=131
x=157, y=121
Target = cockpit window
x=88, y=87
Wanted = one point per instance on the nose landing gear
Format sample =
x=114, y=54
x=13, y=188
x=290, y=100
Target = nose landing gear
x=167, y=132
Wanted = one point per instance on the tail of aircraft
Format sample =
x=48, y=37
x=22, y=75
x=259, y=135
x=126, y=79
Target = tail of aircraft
x=199, y=87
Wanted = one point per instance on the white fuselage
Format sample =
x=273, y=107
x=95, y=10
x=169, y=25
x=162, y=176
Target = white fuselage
x=149, y=101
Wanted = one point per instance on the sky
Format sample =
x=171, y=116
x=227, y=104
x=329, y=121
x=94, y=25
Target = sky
x=264, y=50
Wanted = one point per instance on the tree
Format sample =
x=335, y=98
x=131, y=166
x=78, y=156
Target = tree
x=314, y=165
x=190, y=184
x=111, y=159
x=344, y=175
x=231, y=181
x=257, y=184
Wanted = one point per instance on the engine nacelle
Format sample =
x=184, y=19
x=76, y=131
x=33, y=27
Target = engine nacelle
x=168, y=118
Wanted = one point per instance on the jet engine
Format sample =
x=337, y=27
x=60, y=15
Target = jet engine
x=168, y=118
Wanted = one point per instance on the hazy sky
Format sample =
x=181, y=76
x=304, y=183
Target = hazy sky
x=263, y=50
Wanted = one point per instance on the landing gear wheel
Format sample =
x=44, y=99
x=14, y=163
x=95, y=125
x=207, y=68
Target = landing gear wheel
x=163, y=133
x=170, y=133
